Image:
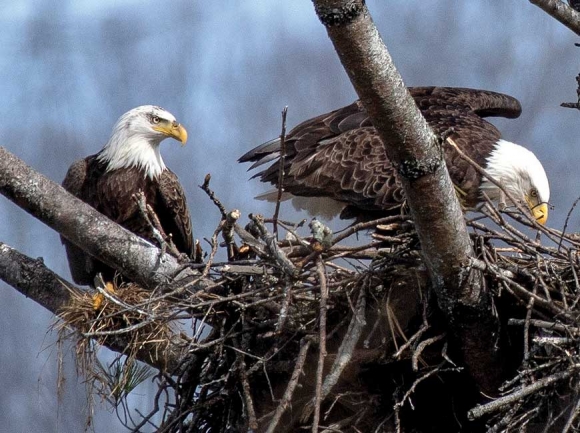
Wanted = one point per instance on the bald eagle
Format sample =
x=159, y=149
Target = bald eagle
x=131, y=162
x=339, y=156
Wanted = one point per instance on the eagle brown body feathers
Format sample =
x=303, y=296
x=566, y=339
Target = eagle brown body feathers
x=111, y=193
x=341, y=156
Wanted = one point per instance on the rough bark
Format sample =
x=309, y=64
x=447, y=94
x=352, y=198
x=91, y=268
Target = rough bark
x=418, y=156
x=139, y=260
x=136, y=258
x=35, y=281
x=560, y=11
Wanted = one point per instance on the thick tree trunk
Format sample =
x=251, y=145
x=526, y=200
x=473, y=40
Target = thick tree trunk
x=418, y=156
x=562, y=12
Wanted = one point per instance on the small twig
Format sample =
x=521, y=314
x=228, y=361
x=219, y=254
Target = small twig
x=546, y=325
x=484, y=409
x=552, y=341
x=295, y=237
x=205, y=187
x=496, y=271
x=153, y=221
x=252, y=422
x=347, y=346
x=207, y=267
x=553, y=234
x=214, y=247
x=529, y=310
x=321, y=272
x=568, y=215
x=156, y=223
x=139, y=198
x=287, y=291
x=483, y=266
x=242, y=269
x=424, y=327
x=281, y=162
x=121, y=331
x=368, y=225
x=276, y=253
x=421, y=346
x=506, y=420
x=573, y=415
x=411, y=390
x=287, y=224
x=576, y=104
x=292, y=383
x=571, y=255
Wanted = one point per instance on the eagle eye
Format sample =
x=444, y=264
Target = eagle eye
x=534, y=193
x=154, y=119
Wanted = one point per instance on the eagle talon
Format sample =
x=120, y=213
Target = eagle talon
x=98, y=298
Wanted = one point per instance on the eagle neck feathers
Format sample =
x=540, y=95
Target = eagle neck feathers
x=126, y=150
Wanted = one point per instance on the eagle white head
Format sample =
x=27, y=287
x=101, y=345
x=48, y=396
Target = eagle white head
x=136, y=138
x=519, y=171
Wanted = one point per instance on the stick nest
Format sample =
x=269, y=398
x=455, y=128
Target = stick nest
x=308, y=332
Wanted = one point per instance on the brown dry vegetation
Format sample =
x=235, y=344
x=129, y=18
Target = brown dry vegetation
x=307, y=332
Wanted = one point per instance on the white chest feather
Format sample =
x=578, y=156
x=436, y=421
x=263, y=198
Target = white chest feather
x=133, y=151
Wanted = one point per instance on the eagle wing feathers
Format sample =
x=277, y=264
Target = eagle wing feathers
x=112, y=194
x=173, y=207
x=340, y=155
x=80, y=264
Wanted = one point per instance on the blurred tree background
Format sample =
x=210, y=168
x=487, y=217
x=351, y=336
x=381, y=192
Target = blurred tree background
x=226, y=70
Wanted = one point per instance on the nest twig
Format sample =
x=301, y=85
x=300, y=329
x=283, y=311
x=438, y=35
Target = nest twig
x=303, y=335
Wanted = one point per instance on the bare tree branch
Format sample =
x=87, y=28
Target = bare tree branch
x=418, y=156
x=409, y=142
x=34, y=280
x=95, y=234
x=511, y=398
x=560, y=11
x=136, y=258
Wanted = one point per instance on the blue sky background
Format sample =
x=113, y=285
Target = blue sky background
x=226, y=70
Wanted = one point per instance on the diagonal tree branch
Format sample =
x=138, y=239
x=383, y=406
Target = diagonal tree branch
x=136, y=258
x=415, y=151
x=560, y=11
x=95, y=234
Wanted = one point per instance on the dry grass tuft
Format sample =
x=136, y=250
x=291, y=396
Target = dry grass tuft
x=129, y=314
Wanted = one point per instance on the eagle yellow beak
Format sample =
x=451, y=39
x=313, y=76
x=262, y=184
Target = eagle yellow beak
x=540, y=213
x=173, y=130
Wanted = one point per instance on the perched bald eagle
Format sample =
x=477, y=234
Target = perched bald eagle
x=339, y=156
x=130, y=162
